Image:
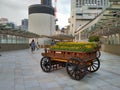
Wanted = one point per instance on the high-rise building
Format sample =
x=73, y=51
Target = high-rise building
x=24, y=25
x=11, y=25
x=83, y=11
x=46, y=2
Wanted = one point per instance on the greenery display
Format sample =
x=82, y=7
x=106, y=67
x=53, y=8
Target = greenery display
x=93, y=39
x=74, y=46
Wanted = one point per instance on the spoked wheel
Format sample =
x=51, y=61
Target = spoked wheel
x=98, y=54
x=45, y=64
x=94, y=66
x=76, y=68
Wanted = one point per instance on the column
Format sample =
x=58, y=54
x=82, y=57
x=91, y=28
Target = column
x=75, y=38
x=107, y=42
x=77, y=3
x=0, y=38
x=86, y=1
x=107, y=2
x=113, y=39
x=90, y=2
x=98, y=2
x=119, y=38
x=110, y=39
x=80, y=3
x=41, y=1
x=79, y=36
x=95, y=2
x=9, y=38
x=16, y=39
x=83, y=2
x=116, y=39
x=103, y=3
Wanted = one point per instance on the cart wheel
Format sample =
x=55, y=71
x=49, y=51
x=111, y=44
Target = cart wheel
x=98, y=54
x=76, y=68
x=45, y=64
x=95, y=65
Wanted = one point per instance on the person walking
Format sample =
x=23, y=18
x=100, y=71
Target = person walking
x=32, y=45
x=52, y=42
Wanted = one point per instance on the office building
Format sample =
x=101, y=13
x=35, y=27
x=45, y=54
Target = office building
x=83, y=11
x=24, y=24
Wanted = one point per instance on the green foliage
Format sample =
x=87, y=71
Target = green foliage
x=74, y=46
x=93, y=39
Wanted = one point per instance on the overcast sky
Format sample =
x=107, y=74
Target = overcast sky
x=16, y=10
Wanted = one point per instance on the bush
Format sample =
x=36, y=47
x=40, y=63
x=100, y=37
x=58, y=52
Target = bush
x=93, y=39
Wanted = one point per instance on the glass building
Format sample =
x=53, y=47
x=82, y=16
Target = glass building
x=12, y=39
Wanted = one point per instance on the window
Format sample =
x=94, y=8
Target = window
x=4, y=39
x=77, y=3
x=79, y=14
x=95, y=1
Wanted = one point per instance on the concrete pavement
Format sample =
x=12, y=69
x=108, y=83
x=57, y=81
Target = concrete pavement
x=20, y=70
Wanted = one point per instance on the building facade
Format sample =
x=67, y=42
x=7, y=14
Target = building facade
x=42, y=20
x=65, y=30
x=3, y=21
x=24, y=24
x=108, y=27
x=82, y=12
x=46, y=2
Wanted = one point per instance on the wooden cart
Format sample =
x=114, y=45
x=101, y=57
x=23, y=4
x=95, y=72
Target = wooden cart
x=77, y=64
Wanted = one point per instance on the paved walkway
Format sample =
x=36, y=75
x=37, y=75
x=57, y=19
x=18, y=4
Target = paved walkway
x=20, y=70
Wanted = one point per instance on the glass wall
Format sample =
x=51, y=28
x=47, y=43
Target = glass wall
x=13, y=39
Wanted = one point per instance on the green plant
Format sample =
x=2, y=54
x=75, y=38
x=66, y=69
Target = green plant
x=75, y=46
x=93, y=39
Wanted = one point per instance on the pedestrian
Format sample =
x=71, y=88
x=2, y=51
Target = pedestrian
x=32, y=45
x=52, y=42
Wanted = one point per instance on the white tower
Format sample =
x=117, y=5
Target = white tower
x=42, y=20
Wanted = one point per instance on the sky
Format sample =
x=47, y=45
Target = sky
x=16, y=10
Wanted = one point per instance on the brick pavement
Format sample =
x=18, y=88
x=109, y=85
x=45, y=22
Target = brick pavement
x=20, y=70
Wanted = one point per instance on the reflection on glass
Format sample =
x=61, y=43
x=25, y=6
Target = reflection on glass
x=13, y=39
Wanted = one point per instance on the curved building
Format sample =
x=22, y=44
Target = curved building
x=42, y=20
